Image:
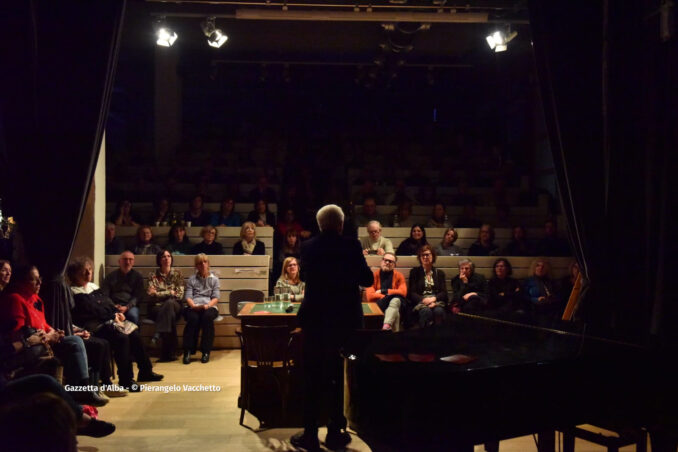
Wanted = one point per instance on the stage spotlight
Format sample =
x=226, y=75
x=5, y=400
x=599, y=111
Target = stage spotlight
x=498, y=41
x=215, y=37
x=165, y=35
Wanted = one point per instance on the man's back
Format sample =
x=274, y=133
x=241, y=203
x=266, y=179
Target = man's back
x=333, y=267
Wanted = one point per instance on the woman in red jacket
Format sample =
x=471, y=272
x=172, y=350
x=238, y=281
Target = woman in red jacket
x=25, y=309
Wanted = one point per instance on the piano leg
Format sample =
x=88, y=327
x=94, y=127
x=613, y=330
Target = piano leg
x=568, y=440
x=546, y=441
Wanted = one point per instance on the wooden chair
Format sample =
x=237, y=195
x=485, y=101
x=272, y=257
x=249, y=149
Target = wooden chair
x=265, y=364
x=620, y=438
x=240, y=296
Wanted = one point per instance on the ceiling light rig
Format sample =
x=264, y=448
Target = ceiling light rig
x=165, y=36
x=215, y=37
x=498, y=41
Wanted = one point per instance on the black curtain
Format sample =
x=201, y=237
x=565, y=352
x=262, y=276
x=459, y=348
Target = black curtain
x=608, y=81
x=58, y=63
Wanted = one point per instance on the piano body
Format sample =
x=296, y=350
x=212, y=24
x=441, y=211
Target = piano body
x=524, y=379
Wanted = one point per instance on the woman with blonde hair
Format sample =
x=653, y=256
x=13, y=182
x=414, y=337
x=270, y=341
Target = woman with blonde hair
x=289, y=281
x=202, y=297
x=248, y=243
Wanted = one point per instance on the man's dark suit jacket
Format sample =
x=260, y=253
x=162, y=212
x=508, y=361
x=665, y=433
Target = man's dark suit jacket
x=333, y=267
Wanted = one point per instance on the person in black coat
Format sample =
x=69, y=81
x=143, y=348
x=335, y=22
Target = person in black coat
x=426, y=289
x=334, y=268
x=410, y=246
x=209, y=244
x=504, y=293
x=469, y=289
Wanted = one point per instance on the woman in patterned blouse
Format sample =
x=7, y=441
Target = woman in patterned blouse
x=289, y=281
x=165, y=292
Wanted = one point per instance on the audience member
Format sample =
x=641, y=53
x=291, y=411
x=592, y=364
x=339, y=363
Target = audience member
x=541, y=291
x=114, y=245
x=39, y=421
x=261, y=215
x=399, y=194
x=165, y=293
x=162, y=212
x=145, y=245
x=288, y=222
x=427, y=193
x=290, y=246
x=389, y=291
x=24, y=309
x=403, y=216
x=438, y=217
x=369, y=213
x=502, y=217
x=463, y=197
x=504, y=293
x=469, y=289
x=366, y=190
x=426, y=289
x=5, y=274
x=518, y=246
x=263, y=191
x=209, y=244
x=202, y=296
x=123, y=214
x=550, y=244
x=248, y=243
x=567, y=282
x=447, y=246
x=375, y=243
x=196, y=215
x=97, y=313
x=468, y=218
x=484, y=246
x=227, y=216
x=125, y=287
x=410, y=246
x=22, y=415
x=290, y=282
x=178, y=242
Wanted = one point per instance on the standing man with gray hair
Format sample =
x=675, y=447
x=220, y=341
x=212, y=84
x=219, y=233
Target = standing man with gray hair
x=334, y=268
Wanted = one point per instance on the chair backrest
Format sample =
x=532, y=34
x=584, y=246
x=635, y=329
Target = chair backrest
x=265, y=346
x=240, y=295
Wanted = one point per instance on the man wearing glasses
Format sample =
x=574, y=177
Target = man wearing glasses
x=388, y=291
x=374, y=243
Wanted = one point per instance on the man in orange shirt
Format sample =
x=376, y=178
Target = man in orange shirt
x=388, y=291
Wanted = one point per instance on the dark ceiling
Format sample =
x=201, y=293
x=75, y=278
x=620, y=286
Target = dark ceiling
x=331, y=42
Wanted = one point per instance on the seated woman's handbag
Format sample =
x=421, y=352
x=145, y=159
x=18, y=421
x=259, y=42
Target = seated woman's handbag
x=126, y=327
x=29, y=360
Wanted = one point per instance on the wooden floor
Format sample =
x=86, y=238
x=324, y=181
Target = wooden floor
x=208, y=421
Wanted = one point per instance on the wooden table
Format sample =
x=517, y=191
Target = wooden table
x=273, y=313
x=262, y=402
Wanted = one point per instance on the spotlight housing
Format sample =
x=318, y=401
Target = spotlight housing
x=215, y=37
x=164, y=34
x=498, y=41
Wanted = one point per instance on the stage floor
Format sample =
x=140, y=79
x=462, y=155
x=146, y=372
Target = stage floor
x=207, y=420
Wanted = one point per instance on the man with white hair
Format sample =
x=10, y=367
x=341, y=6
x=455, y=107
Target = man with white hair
x=375, y=243
x=334, y=268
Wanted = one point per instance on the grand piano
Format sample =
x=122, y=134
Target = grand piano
x=522, y=379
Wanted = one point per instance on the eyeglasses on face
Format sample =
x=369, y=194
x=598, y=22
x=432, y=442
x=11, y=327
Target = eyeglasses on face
x=427, y=255
x=388, y=261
